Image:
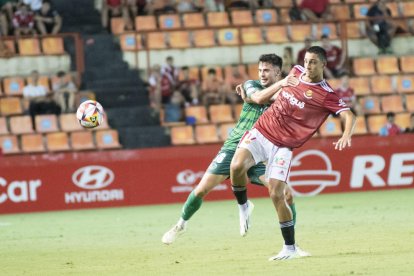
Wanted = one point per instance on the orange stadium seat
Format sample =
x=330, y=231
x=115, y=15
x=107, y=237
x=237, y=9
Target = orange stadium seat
x=361, y=10
x=387, y=65
x=331, y=127
x=282, y=3
x=241, y=17
x=43, y=80
x=32, y=143
x=57, y=141
x=13, y=86
x=169, y=21
x=107, y=139
x=3, y=126
x=284, y=15
x=252, y=35
x=225, y=130
x=156, y=40
x=204, y=38
x=340, y=11
x=131, y=42
x=182, y=135
x=82, y=140
x=179, y=39
x=237, y=109
x=20, y=124
x=405, y=83
x=68, y=122
x=253, y=71
x=299, y=32
x=360, y=85
x=53, y=46
x=10, y=106
x=206, y=134
x=204, y=71
x=393, y=6
x=409, y=102
x=407, y=8
x=363, y=66
x=145, y=23
x=392, y=103
x=353, y=29
x=229, y=68
x=376, y=122
x=221, y=113
x=198, y=112
x=28, y=46
x=117, y=25
x=360, y=126
x=266, y=16
x=403, y=119
x=218, y=19
x=382, y=84
x=276, y=34
x=228, y=37
x=9, y=144
x=407, y=64
x=10, y=45
x=46, y=123
x=370, y=104
x=193, y=20
x=328, y=29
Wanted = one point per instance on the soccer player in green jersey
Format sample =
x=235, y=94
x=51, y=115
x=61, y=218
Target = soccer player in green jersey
x=258, y=94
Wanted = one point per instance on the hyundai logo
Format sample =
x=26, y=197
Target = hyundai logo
x=93, y=177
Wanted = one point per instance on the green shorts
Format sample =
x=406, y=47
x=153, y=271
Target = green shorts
x=221, y=166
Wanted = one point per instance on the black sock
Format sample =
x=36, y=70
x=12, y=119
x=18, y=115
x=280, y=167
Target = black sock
x=288, y=232
x=241, y=194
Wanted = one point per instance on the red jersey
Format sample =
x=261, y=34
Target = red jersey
x=333, y=56
x=346, y=94
x=299, y=111
x=318, y=7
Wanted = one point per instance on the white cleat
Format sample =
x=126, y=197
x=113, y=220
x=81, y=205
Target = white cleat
x=302, y=253
x=244, y=216
x=285, y=254
x=171, y=235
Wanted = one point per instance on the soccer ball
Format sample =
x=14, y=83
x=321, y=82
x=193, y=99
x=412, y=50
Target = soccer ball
x=90, y=114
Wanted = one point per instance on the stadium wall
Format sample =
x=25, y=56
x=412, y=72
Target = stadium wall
x=45, y=182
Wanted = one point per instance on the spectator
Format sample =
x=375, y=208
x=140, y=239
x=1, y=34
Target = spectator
x=4, y=50
x=186, y=6
x=346, y=93
x=214, y=6
x=4, y=25
x=23, y=21
x=174, y=109
x=115, y=8
x=40, y=102
x=315, y=10
x=390, y=128
x=48, y=21
x=8, y=7
x=302, y=52
x=35, y=5
x=64, y=90
x=157, y=7
x=189, y=87
x=335, y=58
x=160, y=88
x=288, y=61
x=243, y=4
x=213, y=89
x=233, y=79
x=170, y=71
x=410, y=129
x=381, y=31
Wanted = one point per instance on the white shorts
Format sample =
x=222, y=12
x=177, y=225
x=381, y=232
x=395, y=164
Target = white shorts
x=277, y=159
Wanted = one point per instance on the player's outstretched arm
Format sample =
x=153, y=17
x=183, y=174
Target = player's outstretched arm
x=265, y=95
x=350, y=120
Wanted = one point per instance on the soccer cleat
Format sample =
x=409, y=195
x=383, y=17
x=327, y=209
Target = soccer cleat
x=244, y=216
x=302, y=253
x=285, y=254
x=171, y=235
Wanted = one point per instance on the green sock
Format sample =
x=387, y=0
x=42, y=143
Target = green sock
x=292, y=207
x=191, y=206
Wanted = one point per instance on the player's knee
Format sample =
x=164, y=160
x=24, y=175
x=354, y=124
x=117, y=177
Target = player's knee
x=200, y=192
x=237, y=167
x=276, y=193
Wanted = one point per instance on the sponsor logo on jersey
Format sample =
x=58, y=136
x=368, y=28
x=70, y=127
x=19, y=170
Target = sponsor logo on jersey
x=342, y=103
x=308, y=94
x=292, y=99
x=280, y=161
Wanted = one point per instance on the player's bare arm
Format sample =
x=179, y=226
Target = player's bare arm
x=345, y=140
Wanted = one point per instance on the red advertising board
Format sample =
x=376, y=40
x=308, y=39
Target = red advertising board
x=64, y=181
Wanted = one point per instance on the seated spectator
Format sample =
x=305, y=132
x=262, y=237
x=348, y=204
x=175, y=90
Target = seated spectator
x=173, y=111
x=315, y=10
x=157, y=7
x=346, y=93
x=40, y=102
x=189, y=87
x=214, y=6
x=243, y=4
x=288, y=61
x=4, y=50
x=335, y=59
x=64, y=90
x=160, y=89
x=4, y=25
x=390, y=128
x=410, y=129
x=8, y=7
x=187, y=6
x=170, y=71
x=23, y=21
x=115, y=8
x=35, y=5
x=213, y=89
x=381, y=31
x=235, y=78
x=48, y=21
x=302, y=52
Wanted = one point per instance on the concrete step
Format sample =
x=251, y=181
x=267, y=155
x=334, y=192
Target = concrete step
x=144, y=137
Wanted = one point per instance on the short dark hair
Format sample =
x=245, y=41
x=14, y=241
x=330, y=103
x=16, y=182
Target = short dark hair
x=319, y=51
x=211, y=71
x=60, y=74
x=390, y=114
x=184, y=68
x=273, y=59
x=325, y=36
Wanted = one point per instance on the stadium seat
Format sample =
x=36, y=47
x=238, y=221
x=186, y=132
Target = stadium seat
x=393, y=6
x=382, y=84
x=328, y=29
x=237, y=109
x=409, y=102
x=179, y=39
x=407, y=64
x=3, y=126
x=407, y=8
x=282, y=3
x=360, y=10
x=68, y=122
x=221, y=113
x=204, y=38
x=199, y=113
x=145, y=23
x=169, y=21
x=225, y=130
x=392, y=103
x=276, y=34
x=370, y=104
x=82, y=140
x=53, y=46
x=217, y=19
x=156, y=40
x=117, y=25
x=403, y=120
x=28, y=46
x=10, y=106
x=340, y=11
x=13, y=86
x=229, y=68
x=205, y=134
x=353, y=29
x=284, y=15
x=376, y=122
x=241, y=17
x=299, y=32
x=193, y=20
x=331, y=127
x=43, y=80
x=131, y=42
x=266, y=16
x=360, y=126
x=57, y=141
x=363, y=66
x=107, y=139
x=168, y=124
x=31, y=143
x=204, y=71
x=9, y=144
x=182, y=135
x=21, y=124
x=252, y=35
x=360, y=85
x=228, y=37
x=387, y=65
x=46, y=123
x=253, y=71
x=10, y=45
x=405, y=83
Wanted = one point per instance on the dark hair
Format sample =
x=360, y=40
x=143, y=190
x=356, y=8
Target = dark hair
x=319, y=51
x=212, y=71
x=184, y=68
x=273, y=59
x=390, y=114
x=169, y=58
x=325, y=36
x=60, y=74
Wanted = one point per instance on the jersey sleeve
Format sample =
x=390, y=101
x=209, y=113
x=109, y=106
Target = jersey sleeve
x=335, y=104
x=297, y=70
x=250, y=87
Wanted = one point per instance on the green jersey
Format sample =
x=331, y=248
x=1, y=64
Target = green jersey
x=249, y=115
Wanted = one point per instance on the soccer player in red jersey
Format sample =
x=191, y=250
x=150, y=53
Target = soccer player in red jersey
x=288, y=123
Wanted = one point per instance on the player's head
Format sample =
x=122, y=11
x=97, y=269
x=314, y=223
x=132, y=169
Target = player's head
x=270, y=69
x=314, y=63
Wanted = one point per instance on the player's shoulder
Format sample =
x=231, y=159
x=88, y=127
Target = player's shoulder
x=252, y=83
x=326, y=86
x=297, y=70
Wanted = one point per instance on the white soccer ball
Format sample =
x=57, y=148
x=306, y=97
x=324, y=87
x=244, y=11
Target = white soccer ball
x=90, y=114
